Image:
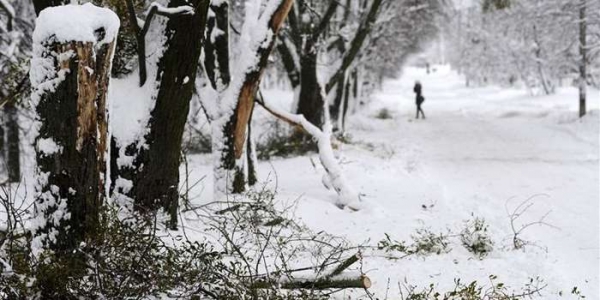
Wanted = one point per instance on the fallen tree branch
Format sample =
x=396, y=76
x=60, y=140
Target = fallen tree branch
x=354, y=282
x=345, y=265
x=347, y=196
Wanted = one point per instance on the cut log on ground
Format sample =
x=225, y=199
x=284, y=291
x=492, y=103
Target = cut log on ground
x=357, y=282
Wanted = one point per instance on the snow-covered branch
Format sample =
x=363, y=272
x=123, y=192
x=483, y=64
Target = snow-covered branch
x=171, y=11
x=347, y=196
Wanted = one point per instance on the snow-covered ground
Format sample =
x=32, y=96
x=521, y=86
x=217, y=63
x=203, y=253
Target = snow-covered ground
x=479, y=153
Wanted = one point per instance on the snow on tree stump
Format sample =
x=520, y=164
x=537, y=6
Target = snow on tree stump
x=70, y=72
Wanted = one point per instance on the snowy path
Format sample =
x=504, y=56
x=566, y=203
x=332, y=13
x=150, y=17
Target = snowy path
x=482, y=150
x=477, y=149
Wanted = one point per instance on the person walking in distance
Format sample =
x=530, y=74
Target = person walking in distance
x=418, y=89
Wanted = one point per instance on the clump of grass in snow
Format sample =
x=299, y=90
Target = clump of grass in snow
x=475, y=238
x=424, y=242
x=384, y=114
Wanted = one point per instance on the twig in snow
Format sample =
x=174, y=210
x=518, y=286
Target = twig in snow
x=515, y=215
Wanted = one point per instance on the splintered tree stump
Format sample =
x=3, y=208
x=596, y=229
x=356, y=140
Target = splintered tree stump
x=70, y=82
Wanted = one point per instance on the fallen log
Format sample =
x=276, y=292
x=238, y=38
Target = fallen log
x=338, y=282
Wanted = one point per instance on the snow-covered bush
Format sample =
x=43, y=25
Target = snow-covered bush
x=475, y=238
x=427, y=242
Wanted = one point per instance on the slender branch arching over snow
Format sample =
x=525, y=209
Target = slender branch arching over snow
x=347, y=195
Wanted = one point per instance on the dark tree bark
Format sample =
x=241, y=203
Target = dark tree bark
x=583, y=59
x=288, y=61
x=311, y=100
x=13, y=157
x=216, y=55
x=348, y=86
x=2, y=158
x=40, y=5
x=70, y=154
x=338, y=102
x=74, y=118
x=157, y=182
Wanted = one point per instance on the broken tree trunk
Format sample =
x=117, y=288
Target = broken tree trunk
x=70, y=77
x=70, y=72
x=230, y=125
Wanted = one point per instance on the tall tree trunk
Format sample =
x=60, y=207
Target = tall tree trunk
x=336, y=108
x=157, y=183
x=346, y=103
x=583, y=61
x=2, y=156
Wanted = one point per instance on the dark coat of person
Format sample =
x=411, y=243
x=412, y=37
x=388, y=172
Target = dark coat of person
x=418, y=89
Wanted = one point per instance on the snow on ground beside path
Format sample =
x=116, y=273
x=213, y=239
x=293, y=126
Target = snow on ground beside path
x=478, y=148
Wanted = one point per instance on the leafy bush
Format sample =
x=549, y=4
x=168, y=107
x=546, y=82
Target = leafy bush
x=474, y=237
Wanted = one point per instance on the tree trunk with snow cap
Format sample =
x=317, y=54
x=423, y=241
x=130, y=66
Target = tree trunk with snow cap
x=73, y=49
x=70, y=72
